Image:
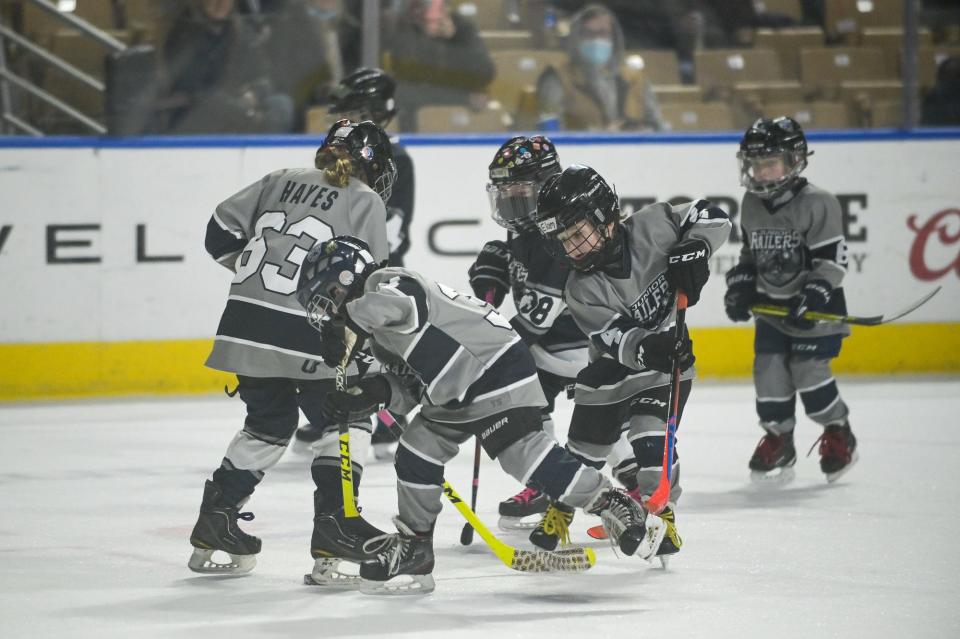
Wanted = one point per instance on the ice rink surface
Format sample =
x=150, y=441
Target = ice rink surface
x=98, y=499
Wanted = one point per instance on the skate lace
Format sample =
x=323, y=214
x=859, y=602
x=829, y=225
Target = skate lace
x=769, y=446
x=389, y=549
x=525, y=495
x=620, y=507
x=832, y=444
x=557, y=524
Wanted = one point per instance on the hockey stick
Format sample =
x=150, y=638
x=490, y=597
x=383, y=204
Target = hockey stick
x=772, y=310
x=346, y=464
x=658, y=500
x=466, y=535
x=574, y=559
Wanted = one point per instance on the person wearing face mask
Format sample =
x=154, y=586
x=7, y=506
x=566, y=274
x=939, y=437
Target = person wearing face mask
x=593, y=90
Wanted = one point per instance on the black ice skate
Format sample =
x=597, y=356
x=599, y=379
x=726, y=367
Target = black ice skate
x=402, y=553
x=305, y=436
x=672, y=542
x=838, y=450
x=629, y=527
x=526, y=503
x=337, y=538
x=554, y=528
x=217, y=530
x=773, y=459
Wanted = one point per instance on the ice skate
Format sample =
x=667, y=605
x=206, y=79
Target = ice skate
x=217, y=530
x=305, y=436
x=402, y=553
x=672, y=542
x=526, y=503
x=337, y=539
x=838, y=450
x=773, y=460
x=554, y=527
x=629, y=527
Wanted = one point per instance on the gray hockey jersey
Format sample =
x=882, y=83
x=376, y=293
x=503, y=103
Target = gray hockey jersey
x=537, y=280
x=790, y=243
x=262, y=233
x=449, y=352
x=620, y=305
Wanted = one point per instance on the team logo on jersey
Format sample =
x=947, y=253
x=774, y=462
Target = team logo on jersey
x=778, y=253
x=653, y=306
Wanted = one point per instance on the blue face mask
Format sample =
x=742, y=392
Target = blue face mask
x=597, y=51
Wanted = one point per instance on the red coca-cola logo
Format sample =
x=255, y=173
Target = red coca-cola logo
x=939, y=226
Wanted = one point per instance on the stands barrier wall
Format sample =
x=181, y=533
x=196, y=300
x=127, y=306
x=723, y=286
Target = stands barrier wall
x=107, y=289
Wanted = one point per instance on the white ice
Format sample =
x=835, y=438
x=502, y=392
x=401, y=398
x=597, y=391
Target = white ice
x=97, y=500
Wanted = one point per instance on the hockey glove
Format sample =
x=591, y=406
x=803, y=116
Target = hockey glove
x=358, y=403
x=688, y=268
x=657, y=352
x=333, y=345
x=490, y=272
x=814, y=296
x=741, y=292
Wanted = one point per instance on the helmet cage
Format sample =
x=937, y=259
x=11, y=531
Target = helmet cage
x=334, y=272
x=794, y=162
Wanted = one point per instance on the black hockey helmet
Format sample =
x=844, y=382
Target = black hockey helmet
x=575, y=210
x=367, y=94
x=370, y=147
x=333, y=273
x=518, y=170
x=766, y=144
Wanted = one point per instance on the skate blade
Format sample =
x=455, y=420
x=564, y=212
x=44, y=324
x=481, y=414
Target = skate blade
x=201, y=561
x=776, y=477
x=399, y=586
x=652, y=538
x=326, y=574
x=832, y=477
x=511, y=524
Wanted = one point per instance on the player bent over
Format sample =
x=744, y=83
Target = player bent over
x=472, y=375
x=621, y=292
x=794, y=253
x=262, y=234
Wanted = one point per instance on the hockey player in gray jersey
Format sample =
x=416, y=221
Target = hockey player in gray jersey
x=621, y=293
x=472, y=375
x=522, y=266
x=794, y=253
x=262, y=233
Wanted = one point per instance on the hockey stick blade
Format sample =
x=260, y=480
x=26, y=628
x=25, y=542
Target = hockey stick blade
x=574, y=559
x=873, y=320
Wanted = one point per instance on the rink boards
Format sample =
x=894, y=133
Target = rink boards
x=107, y=288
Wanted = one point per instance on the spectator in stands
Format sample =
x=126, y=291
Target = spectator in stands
x=217, y=67
x=438, y=57
x=941, y=106
x=304, y=47
x=594, y=90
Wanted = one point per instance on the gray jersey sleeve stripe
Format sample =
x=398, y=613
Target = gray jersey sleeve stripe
x=446, y=369
x=236, y=234
x=433, y=354
x=832, y=240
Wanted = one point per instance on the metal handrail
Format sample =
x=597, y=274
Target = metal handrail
x=7, y=77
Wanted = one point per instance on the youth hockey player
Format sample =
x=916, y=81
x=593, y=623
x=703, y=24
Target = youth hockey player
x=368, y=94
x=262, y=233
x=793, y=253
x=621, y=293
x=470, y=372
x=522, y=266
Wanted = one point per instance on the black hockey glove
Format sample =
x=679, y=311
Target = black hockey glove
x=657, y=352
x=359, y=402
x=741, y=292
x=490, y=272
x=333, y=345
x=688, y=268
x=814, y=296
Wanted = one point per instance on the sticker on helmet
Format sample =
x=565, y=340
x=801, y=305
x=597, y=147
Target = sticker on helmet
x=346, y=278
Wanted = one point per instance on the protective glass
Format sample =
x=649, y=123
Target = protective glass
x=513, y=204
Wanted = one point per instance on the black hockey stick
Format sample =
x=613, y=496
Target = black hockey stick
x=772, y=310
x=466, y=535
